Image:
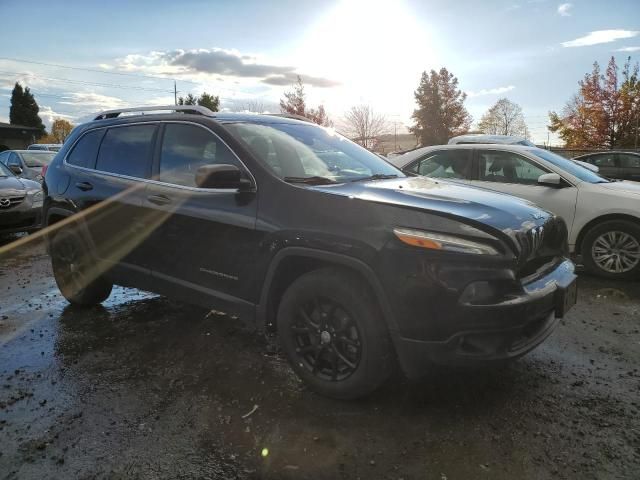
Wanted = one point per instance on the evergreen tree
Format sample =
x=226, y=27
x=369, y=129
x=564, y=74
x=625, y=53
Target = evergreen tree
x=212, y=102
x=24, y=109
x=441, y=113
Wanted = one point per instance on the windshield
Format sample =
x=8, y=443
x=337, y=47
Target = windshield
x=567, y=165
x=37, y=159
x=4, y=171
x=297, y=151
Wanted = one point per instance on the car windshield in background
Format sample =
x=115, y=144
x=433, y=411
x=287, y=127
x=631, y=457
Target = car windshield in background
x=38, y=159
x=573, y=168
x=311, y=154
x=4, y=171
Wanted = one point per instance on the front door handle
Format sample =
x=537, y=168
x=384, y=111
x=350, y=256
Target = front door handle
x=84, y=186
x=159, y=199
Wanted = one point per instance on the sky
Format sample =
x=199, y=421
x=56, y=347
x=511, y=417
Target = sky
x=81, y=57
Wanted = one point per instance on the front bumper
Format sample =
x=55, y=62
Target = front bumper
x=499, y=331
x=23, y=218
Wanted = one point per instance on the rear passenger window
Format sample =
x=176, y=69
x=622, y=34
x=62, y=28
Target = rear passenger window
x=185, y=148
x=85, y=151
x=127, y=150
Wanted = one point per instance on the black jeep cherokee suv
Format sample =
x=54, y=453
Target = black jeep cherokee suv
x=354, y=265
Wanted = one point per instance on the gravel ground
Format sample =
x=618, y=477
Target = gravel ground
x=149, y=388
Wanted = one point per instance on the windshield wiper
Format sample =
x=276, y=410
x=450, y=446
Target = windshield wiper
x=376, y=176
x=316, y=180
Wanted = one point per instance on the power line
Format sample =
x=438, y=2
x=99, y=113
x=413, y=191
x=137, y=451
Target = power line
x=95, y=70
x=83, y=82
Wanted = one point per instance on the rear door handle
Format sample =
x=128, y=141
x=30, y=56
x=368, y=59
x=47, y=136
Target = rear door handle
x=159, y=199
x=84, y=186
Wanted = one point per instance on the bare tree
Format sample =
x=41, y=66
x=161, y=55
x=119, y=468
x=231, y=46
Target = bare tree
x=364, y=125
x=504, y=118
x=255, y=106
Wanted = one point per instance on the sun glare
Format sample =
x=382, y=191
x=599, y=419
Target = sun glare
x=370, y=47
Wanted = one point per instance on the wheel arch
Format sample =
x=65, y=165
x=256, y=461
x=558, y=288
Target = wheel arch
x=603, y=218
x=292, y=262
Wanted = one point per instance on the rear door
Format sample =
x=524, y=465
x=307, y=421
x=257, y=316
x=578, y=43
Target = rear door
x=629, y=166
x=454, y=164
x=517, y=175
x=107, y=186
x=206, y=240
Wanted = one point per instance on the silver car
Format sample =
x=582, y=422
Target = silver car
x=28, y=164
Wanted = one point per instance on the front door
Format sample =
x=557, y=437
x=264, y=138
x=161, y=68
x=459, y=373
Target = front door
x=511, y=173
x=607, y=163
x=206, y=240
x=629, y=166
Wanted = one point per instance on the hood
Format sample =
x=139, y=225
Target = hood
x=622, y=187
x=501, y=211
x=11, y=185
x=518, y=220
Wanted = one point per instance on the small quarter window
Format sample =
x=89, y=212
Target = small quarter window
x=85, y=151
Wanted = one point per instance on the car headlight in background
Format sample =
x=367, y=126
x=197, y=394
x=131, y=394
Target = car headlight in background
x=37, y=197
x=441, y=241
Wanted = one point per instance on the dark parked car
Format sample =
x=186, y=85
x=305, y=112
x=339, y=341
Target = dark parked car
x=352, y=264
x=613, y=164
x=28, y=164
x=20, y=203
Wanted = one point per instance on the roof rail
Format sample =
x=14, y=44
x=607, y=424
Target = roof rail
x=197, y=109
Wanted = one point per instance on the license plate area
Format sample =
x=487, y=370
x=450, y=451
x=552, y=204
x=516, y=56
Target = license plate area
x=566, y=298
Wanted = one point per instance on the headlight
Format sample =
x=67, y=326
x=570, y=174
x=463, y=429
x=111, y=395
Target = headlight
x=38, y=196
x=441, y=241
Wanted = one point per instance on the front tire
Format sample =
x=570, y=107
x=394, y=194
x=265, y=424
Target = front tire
x=612, y=249
x=332, y=331
x=74, y=271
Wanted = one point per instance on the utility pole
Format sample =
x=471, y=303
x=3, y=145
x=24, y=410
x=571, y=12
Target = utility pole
x=175, y=93
x=636, y=143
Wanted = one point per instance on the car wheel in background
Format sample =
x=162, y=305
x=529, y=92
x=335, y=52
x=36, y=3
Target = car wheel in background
x=612, y=249
x=75, y=272
x=332, y=331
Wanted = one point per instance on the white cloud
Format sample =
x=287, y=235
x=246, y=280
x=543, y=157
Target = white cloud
x=490, y=91
x=93, y=100
x=564, y=9
x=600, y=36
x=628, y=49
x=48, y=115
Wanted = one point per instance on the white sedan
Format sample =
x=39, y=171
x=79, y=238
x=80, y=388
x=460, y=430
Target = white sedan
x=602, y=215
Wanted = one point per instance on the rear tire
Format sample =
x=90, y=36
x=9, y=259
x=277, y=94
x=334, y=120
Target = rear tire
x=332, y=331
x=612, y=250
x=75, y=271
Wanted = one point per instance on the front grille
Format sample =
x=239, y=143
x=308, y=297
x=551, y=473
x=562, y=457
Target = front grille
x=541, y=245
x=10, y=202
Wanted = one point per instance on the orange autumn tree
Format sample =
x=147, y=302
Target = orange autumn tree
x=603, y=112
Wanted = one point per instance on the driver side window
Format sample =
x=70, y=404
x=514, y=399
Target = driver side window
x=14, y=160
x=445, y=164
x=508, y=167
x=185, y=148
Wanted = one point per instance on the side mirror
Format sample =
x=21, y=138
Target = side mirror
x=550, y=180
x=221, y=176
x=15, y=169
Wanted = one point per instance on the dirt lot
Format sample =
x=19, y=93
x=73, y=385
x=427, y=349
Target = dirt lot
x=149, y=388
